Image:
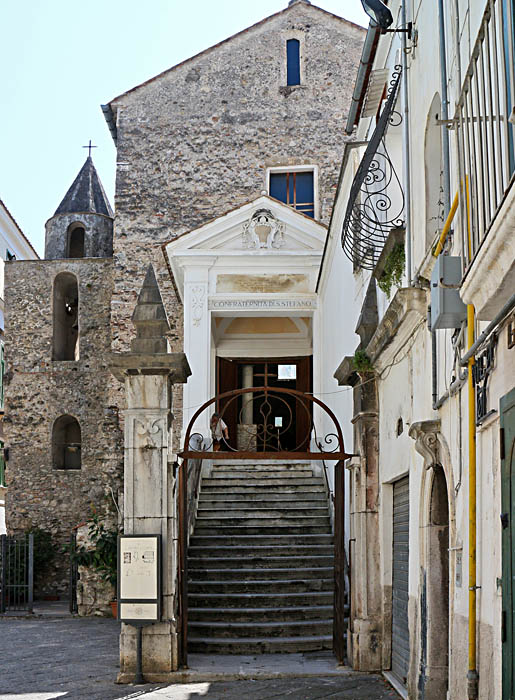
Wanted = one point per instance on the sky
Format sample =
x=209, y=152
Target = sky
x=61, y=59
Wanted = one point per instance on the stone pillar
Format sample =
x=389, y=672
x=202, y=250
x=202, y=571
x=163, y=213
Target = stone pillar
x=197, y=343
x=248, y=382
x=370, y=605
x=247, y=431
x=149, y=372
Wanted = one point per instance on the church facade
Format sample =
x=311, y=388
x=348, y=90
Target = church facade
x=227, y=166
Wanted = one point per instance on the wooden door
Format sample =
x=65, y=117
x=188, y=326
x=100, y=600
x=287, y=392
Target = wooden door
x=304, y=417
x=227, y=380
x=507, y=444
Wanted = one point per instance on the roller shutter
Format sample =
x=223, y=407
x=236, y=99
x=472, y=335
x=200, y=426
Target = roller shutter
x=400, y=631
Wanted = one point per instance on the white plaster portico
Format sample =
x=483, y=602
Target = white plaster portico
x=247, y=281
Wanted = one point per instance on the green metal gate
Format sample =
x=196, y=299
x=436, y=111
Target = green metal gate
x=16, y=573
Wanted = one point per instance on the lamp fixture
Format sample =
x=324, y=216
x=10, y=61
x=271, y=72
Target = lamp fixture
x=382, y=17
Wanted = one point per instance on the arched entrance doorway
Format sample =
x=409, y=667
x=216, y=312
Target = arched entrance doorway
x=268, y=434
x=437, y=582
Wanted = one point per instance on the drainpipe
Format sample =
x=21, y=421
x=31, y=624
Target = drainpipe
x=406, y=149
x=445, y=110
x=472, y=675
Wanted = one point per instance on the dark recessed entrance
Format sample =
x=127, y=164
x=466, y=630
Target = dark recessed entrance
x=287, y=420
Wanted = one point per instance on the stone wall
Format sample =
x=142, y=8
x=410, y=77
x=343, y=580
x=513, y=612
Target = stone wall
x=196, y=141
x=39, y=390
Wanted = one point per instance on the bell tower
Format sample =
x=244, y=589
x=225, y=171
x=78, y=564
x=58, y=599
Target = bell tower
x=82, y=226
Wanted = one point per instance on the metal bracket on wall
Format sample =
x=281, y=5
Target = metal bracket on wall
x=481, y=372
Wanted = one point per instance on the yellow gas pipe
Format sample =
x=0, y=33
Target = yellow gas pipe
x=472, y=676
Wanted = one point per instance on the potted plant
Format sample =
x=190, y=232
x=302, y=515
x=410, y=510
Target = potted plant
x=101, y=554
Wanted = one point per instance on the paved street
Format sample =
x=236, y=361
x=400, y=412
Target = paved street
x=43, y=659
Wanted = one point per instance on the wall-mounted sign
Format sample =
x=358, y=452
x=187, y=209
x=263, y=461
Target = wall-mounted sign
x=304, y=303
x=139, y=578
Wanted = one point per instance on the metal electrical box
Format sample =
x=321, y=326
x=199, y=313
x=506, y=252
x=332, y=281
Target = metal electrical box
x=447, y=309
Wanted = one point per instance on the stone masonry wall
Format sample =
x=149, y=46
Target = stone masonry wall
x=39, y=390
x=196, y=142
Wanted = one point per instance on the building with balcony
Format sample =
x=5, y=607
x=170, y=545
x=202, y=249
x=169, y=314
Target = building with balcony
x=421, y=238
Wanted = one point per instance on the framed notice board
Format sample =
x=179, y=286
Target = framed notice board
x=139, y=579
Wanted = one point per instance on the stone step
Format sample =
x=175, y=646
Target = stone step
x=251, y=474
x=255, y=520
x=268, y=574
x=265, y=561
x=262, y=512
x=282, y=466
x=248, y=553
x=290, y=487
x=257, y=497
x=240, y=511
x=306, y=482
x=275, y=539
x=201, y=645
x=259, y=600
x=207, y=528
x=271, y=629
x=314, y=612
x=263, y=586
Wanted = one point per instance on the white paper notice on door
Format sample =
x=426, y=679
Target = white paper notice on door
x=138, y=568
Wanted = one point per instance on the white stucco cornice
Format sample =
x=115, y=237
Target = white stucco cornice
x=406, y=311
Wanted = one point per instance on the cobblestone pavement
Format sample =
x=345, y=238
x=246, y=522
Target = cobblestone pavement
x=75, y=659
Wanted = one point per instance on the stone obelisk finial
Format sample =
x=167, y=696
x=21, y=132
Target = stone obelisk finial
x=149, y=317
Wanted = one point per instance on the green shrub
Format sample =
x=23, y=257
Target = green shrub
x=393, y=269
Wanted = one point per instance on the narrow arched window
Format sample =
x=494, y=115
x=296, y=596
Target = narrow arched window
x=65, y=318
x=76, y=242
x=293, y=62
x=66, y=443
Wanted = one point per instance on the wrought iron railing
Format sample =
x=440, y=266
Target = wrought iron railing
x=376, y=199
x=485, y=134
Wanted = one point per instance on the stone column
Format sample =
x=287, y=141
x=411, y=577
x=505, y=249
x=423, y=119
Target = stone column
x=246, y=429
x=149, y=371
x=248, y=382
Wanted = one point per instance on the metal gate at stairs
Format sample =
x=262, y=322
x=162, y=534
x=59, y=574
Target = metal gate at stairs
x=263, y=441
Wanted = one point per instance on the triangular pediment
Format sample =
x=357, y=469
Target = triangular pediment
x=262, y=226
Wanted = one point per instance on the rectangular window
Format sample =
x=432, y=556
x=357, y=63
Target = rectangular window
x=295, y=189
x=293, y=62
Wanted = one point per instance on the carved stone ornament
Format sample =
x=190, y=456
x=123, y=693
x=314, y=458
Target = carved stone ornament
x=425, y=433
x=149, y=432
x=197, y=304
x=263, y=230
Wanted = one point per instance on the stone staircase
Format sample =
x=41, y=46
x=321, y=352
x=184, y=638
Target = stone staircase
x=260, y=561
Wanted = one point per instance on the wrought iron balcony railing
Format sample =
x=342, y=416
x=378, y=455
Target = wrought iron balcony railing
x=376, y=199
x=485, y=135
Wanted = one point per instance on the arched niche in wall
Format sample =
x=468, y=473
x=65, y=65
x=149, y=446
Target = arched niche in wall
x=437, y=573
x=433, y=171
x=65, y=317
x=76, y=236
x=66, y=443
